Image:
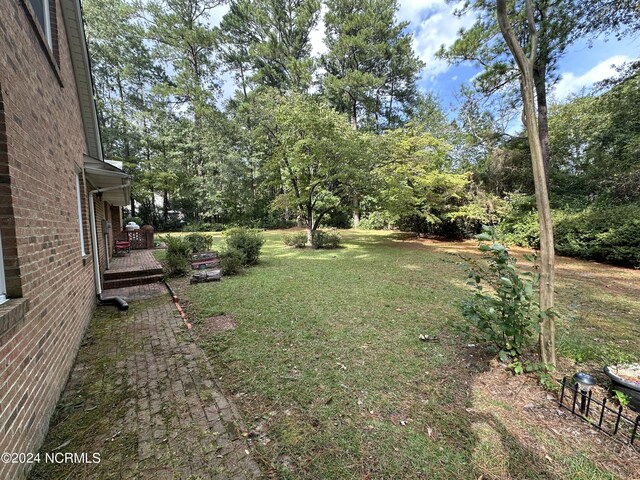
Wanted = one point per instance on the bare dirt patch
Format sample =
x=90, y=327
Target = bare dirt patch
x=609, y=278
x=216, y=324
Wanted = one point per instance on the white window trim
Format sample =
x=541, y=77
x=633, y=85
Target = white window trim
x=47, y=22
x=3, y=285
x=47, y=19
x=80, y=222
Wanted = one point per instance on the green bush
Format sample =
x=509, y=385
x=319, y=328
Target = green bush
x=298, y=239
x=503, y=310
x=232, y=261
x=520, y=225
x=203, y=227
x=200, y=242
x=247, y=241
x=375, y=221
x=521, y=229
x=608, y=235
x=178, y=259
x=325, y=239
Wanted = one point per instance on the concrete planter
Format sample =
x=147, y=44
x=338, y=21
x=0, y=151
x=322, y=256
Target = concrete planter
x=626, y=379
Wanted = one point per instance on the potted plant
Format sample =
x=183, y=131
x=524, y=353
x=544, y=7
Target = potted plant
x=626, y=379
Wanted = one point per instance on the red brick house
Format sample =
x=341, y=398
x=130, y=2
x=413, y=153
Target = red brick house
x=55, y=191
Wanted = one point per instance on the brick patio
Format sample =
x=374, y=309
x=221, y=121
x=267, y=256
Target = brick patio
x=136, y=268
x=171, y=419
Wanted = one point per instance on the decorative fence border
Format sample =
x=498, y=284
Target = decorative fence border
x=606, y=419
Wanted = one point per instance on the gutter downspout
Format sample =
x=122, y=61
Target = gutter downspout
x=94, y=234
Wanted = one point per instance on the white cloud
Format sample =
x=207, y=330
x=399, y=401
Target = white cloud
x=216, y=14
x=439, y=28
x=411, y=10
x=316, y=37
x=570, y=83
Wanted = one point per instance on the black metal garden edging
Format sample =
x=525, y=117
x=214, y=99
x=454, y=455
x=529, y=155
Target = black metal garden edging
x=606, y=419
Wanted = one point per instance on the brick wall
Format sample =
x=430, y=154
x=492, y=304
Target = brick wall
x=41, y=147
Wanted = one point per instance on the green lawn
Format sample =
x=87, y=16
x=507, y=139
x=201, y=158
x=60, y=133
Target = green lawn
x=328, y=371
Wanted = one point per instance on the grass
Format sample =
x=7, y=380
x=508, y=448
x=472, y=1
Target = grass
x=97, y=400
x=328, y=371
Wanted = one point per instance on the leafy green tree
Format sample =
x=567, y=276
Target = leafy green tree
x=525, y=57
x=595, y=141
x=267, y=43
x=482, y=44
x=185, y=41
x=123, y=68
x=312, y=152
x=370, y=65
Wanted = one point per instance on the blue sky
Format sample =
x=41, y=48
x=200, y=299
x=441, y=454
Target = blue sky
x=433, y=24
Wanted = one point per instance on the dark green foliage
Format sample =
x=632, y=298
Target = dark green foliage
x=325, y=239
x=232, y=261
x=608, y=235
x=520, y=226
x=298, y=239
x=178, y=255
x=341, y=217
x=247, y=241
x=503, y=311
x=375, y=221
x=200, y=242
x=203, y=227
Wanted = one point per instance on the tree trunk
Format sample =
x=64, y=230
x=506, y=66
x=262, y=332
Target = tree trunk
x=547, y=252
x=355, y=203
x=354, y=113
x=539, y=75
x=165, y=207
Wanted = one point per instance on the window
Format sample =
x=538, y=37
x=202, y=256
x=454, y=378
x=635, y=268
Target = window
x=80, y=222
x=3, y=285
x=41, y=10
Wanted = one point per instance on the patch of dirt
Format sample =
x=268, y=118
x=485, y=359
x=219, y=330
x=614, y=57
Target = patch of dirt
x=532, y=416
x=216, y=324
x=613, y=279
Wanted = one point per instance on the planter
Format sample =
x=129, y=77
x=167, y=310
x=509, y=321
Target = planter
x=626, y=379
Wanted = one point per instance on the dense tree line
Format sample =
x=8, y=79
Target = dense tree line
x=346, y=136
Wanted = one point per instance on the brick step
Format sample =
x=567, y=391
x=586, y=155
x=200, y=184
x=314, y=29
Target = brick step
x=130, y=282
x=123, y=274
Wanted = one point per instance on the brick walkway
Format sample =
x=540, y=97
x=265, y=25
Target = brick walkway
x=137, y=292
x=169, y=419
x=136, y=260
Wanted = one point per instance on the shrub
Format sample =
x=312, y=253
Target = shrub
x=520, y=225
x=298, y=239
x=200, y=242
x=178, y=255
x=247, y=241
x=506, y=314
x=522, y=230
x=203, y=227
x=609, y=234
x=375, y=221
x=325, y=239
x=231, y=261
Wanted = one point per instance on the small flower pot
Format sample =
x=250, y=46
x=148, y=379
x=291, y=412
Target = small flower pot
x=626, y=379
